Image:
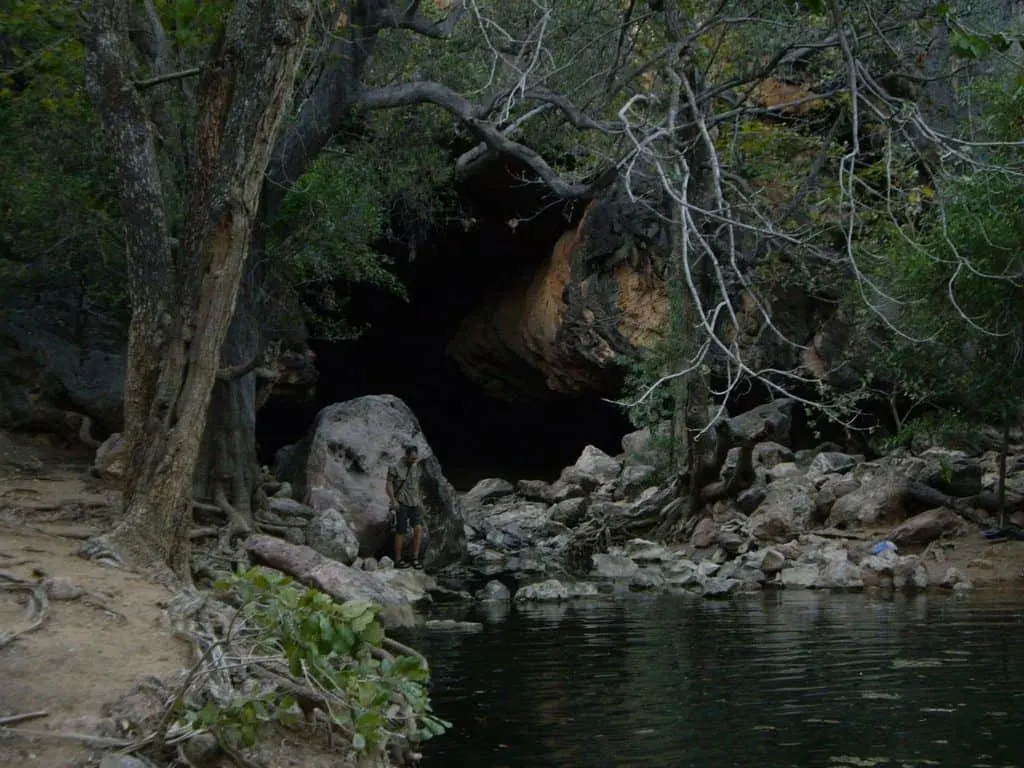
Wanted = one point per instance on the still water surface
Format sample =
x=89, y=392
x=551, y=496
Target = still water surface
x=776, y=680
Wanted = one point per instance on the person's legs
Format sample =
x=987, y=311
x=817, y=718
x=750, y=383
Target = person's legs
x=416, y=521
x=417, y=540
x=401, y=528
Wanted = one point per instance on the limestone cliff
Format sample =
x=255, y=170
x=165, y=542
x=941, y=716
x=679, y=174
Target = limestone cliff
x=570, y=325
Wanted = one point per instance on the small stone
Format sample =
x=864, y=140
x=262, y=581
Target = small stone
x=201, y=749
x=569, y=512
x=285, y=491
x=385, y=562
x=718, y=587
x=704, y=534
x=647, y=580
x=953, y=577
x=800, y=576
x=370, y=564
x=551, y=590
x=607, y=566
x=62, y=588
x=493, y=591
x=772, y=561
x=122, y=761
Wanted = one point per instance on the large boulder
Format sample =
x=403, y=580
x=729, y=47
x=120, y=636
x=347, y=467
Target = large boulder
x=880, y=499
x=342, y=464
x=330, y=534
x=776, y=415
x=787, y=511
x=593, y=468
x=55, y=359
x=926, y=527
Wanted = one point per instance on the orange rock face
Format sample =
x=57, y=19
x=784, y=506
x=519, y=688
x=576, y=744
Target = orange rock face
x=567, y=328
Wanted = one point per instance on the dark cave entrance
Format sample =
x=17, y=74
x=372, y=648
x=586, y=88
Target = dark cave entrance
x=403, y=352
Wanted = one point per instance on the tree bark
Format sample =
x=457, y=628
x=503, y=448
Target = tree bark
x=183, y=301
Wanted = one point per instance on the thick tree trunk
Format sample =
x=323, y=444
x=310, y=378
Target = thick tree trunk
x=179, y=326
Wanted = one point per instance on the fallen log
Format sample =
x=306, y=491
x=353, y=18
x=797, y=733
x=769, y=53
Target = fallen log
x=339, y=581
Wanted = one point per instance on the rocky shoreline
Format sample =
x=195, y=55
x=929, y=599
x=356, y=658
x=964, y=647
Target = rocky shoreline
x=815, y=519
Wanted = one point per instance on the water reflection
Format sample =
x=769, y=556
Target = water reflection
x=798, y=679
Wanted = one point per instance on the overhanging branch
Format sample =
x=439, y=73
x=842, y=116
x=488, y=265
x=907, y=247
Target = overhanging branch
x=167, y=78
x=410, y=94
x=414, y=21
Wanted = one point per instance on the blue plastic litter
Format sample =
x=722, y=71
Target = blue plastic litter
x=883, y=546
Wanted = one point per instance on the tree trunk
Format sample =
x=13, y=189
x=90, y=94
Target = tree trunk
x=179, y=325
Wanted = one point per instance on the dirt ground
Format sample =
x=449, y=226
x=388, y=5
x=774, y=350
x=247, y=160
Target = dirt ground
x=92, y=648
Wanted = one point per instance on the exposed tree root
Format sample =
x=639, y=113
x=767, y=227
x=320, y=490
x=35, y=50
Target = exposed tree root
x=36, y=611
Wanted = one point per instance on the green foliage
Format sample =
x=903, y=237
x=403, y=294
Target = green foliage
x=952, y=428
x=57, y=207
x=955, y=270
x=336, y=648
x=359, y=199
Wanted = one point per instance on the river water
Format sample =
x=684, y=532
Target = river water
x=777, y=680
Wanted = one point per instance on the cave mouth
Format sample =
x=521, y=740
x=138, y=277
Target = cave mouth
x=403, y=353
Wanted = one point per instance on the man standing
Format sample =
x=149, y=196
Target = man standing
x=403, y=487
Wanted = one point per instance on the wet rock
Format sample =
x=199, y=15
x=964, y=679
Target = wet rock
x=953, y=579
x=493, y=591
x=614, y=567
x=545, y=591
x=830, y=462
x=684, y=574
x=488, y=490
x=647, y=580
x=451, y=625
x=715, y=587
x=926, y=527
x=800, y=576
x=342, y=464
x=908, y=572
x=583, y=589
x=569, y=512
x=840, y=573
x=788, y=510
x=330, y=534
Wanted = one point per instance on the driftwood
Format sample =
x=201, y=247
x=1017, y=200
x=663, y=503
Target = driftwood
x=339, y=581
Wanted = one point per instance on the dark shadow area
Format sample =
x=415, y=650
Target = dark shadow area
x=403, y=353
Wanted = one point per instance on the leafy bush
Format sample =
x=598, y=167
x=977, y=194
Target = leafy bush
x=336, y=651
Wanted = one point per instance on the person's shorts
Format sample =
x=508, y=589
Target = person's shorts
x=407, y=517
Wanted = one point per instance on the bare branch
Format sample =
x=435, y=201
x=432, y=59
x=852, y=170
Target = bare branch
x=167, y=78
x=409, y=94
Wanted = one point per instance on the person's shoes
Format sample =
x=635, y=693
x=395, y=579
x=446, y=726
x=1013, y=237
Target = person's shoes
x=404, y=564
x=417, y=565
